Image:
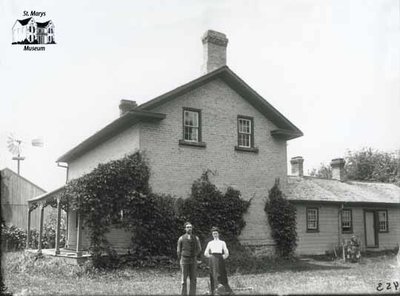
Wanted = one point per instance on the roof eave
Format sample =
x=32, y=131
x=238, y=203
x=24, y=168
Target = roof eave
x=285, y=134
x=125, y=121
x=353, y=203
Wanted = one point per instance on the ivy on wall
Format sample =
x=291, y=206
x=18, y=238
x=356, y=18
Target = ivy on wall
x=282, y=221
x=102, y=194
x=207, y=206
x=118, y=194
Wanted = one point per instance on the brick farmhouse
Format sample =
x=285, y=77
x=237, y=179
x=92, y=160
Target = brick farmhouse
x=216, y=122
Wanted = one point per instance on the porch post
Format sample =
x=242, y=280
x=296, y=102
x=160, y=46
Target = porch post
x=28, y=234
x=41, y=228
x=79, y=236
x=67, y=222
x=58, y=225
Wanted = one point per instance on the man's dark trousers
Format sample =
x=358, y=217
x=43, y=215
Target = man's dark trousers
x=189, y=269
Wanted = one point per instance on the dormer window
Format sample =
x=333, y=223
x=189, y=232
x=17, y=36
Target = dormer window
x=191, y=121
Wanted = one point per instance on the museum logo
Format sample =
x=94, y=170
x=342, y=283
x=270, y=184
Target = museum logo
x=32, y=34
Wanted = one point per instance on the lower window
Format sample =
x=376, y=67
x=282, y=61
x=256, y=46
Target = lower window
x=383, y=221
x=312, y=219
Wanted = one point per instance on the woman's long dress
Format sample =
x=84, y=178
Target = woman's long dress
x=218, y=276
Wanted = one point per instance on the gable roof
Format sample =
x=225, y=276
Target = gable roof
x=286, y=130
x=10, y=171
x=25, y=21
x=285, y=127
x=328, y=190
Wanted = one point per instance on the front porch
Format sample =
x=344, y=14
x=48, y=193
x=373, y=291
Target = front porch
x=65, y=255
x=55, y=198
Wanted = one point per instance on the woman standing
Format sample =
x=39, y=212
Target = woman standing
x=216, y=251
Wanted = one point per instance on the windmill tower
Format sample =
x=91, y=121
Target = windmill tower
x=15, y=145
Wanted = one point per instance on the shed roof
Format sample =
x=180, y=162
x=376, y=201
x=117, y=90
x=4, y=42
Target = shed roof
x=328, y=190
x=48, y=195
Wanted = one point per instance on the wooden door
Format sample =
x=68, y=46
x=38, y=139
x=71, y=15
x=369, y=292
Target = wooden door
x=370, y=229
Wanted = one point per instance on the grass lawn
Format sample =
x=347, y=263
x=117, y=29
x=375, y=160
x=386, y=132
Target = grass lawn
x=26, y=275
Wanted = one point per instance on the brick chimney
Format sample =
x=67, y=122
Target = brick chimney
x=297, y=166
x=337, y=166
x=125, y=106
x=214, y=50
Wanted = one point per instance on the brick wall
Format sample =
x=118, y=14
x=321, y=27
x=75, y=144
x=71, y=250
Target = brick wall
x=175, y=167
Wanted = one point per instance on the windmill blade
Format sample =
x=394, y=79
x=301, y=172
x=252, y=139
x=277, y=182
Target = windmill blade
x=14, y=144
x=38, y=142
x=13, y=149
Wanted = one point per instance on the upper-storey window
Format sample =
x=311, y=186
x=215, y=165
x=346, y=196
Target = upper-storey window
x=191, y=125
x=245, y=132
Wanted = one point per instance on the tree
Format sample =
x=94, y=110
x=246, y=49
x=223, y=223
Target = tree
x=324, y=172
x=368, y=164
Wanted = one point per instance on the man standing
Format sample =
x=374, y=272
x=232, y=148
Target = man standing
x=188, y=249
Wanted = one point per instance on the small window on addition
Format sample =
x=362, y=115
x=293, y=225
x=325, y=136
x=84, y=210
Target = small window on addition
x=312, y=220
x=191, y=121
x=383, y=221
x=347, y=221
x=245, y=126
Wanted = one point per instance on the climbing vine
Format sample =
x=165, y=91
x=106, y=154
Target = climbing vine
x=282, y=221
x=102, y=194
x=118, y=194
x=207, y=206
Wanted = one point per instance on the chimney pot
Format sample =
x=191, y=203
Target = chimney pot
x=214, y=50
x=125, y=106
x=297, y=166
x=337, y=165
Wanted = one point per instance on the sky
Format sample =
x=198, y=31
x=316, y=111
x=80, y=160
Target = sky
x=331, y=67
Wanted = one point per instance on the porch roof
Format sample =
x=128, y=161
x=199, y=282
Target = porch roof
x=324, y=190
x=47, y=196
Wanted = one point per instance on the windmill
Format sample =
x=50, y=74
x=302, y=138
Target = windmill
x=15, y=145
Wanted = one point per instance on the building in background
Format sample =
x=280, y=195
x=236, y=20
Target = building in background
x=15, y=193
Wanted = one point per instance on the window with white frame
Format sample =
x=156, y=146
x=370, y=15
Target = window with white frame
x=383, y=221
x=245, y=132
x=347, y=220
x=191, y=125
x=312, y=219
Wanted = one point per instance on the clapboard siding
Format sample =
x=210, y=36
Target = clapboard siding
x=317, y=242
x=15, y=193
x=328, y=236
x=391, y=239
x=118, y=238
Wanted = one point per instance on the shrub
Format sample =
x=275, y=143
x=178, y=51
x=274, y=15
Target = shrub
x=13, y=238
x=282, y=221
